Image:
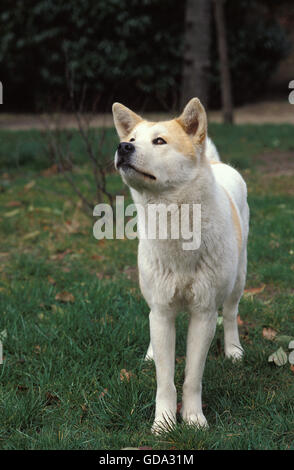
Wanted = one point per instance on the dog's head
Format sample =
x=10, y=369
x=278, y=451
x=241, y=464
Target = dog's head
x=160, y=156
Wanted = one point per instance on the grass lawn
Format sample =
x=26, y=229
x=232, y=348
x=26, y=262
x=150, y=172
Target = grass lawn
x=75, y=326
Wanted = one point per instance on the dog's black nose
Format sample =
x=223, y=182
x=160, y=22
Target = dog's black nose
x=124, y=150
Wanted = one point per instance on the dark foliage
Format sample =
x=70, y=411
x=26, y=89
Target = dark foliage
x=127, y=50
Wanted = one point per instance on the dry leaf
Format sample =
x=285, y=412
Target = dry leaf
x=51, y=399
x=279, y=357
x=291, y=358
x=13, y=204
x=254, y=290
x=292, y=367
x=51, y=280
x=98, y=257
x=50, y=171
x=31, y=235
x=60, y=256
x=65, y=297
x=102, y=394
x=11, y=213
x=240, y=322
x=269, y=333
x=65, y=270
x=29, y=185
x=125, y=375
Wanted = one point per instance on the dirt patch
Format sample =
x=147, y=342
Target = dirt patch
x=276, y=163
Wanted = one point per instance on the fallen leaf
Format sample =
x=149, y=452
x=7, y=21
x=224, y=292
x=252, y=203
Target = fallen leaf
x=269, y=333
x=98, y=257
x=51, y=280
x=12, y=213
x=51, y=399
x=291, y=358
x=28, y=236
x=60, y=256
x=65, y=270
x=254, y=290
x=13, y=204
x=102, y=394
x=292, y=367
x=65, y=297
x=125, y=375
x=279, y=357
x=240, y=322
x=29, y=185
x=50, y=171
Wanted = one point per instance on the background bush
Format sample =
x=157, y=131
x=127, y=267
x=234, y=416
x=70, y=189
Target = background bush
x=128, y=50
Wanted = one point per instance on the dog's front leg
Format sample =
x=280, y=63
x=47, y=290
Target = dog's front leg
x=163, y=336
x=200, y=334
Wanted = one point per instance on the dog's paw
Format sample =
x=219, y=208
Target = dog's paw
x=193, y=419
x=235, y=353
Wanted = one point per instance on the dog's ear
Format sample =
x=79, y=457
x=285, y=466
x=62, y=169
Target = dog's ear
x=124, y=119
x=193, y=120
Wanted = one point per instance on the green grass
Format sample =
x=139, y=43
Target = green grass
x=60, y=357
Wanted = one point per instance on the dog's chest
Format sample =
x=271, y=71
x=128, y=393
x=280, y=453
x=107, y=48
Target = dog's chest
x=169, y=275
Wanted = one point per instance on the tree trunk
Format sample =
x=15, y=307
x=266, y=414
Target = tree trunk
x=226, y=90
x=196, y=54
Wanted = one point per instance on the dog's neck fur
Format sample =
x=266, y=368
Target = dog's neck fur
x=202, y=190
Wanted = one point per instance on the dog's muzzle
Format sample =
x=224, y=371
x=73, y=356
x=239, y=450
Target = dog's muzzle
x=124, y=151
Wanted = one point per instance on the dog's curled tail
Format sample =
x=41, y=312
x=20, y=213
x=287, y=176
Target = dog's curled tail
x=211, y=151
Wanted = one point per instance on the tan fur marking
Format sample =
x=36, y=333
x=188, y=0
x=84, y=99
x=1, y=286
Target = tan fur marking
x=212, y=162
x=178, y=138
x=174, y=135
x=236, y=221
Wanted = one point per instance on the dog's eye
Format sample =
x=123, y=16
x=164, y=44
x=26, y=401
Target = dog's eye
x=158, y=141
x=132, y=139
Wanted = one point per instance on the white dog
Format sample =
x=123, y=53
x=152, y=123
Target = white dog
x=174, y=162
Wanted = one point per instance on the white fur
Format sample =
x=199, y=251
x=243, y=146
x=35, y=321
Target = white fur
x=199, y=281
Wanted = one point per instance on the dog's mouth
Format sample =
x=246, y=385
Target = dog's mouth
x=128, y=165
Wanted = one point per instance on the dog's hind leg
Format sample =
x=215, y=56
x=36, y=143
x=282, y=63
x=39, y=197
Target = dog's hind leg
x=233, y=348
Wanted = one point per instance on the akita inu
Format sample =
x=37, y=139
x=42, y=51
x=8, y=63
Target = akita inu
x=174, y=162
